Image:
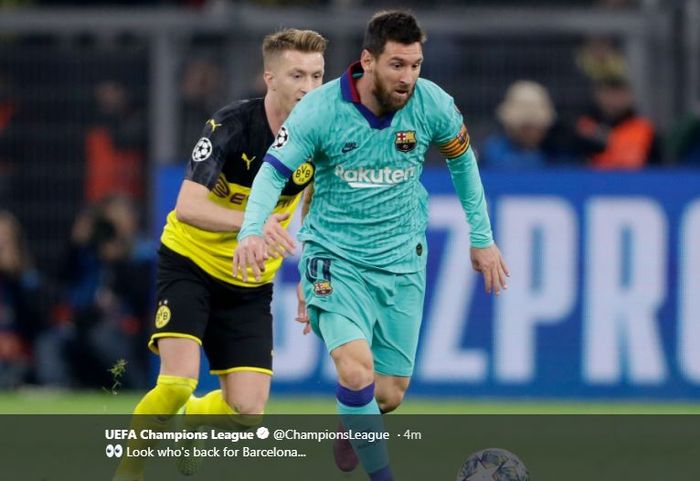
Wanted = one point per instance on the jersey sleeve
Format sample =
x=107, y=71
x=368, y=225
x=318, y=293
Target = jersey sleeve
x=452, y=138
x=210, y=151
x=297, y=139
x=449, y=131
x=464, y=172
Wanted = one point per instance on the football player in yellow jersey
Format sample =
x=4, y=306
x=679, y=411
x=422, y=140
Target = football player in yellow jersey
x=199, y=301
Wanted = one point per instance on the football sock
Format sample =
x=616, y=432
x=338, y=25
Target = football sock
x=154, y=412
x=359, y=412
x=169, y=395
x=218, y=413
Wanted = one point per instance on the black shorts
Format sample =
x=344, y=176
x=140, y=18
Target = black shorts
x=233, y=324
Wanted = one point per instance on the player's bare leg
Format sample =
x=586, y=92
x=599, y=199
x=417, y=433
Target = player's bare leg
x=354, y=365
x=238, y=404
x=246, y=392
x=390, y=391
x=179, y=357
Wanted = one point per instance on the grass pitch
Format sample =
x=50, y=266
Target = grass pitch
x=97, y=402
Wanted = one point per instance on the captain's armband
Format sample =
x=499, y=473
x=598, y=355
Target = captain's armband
x=457, y=146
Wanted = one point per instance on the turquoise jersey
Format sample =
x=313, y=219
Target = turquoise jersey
x=368, y=206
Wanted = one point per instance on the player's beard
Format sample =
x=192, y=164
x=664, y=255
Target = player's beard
x=384, y=95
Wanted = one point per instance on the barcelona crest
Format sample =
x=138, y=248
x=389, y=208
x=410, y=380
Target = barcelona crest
x=323, y=288
x=405, y=140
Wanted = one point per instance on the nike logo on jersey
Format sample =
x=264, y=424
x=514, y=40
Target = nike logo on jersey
x=363, y=178
x=349, y=146
x=247, y=161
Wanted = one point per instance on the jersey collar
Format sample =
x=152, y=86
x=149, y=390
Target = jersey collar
x=349, y=92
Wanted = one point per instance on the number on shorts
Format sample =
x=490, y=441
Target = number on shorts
x=312, y=265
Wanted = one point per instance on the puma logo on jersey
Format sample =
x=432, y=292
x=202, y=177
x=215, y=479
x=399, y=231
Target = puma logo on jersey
x=213, y=124
x=247, y=161
x=375, y=178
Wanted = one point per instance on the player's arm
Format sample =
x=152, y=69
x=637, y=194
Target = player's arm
x=294, y=144
x=453, y=141
x=306, y=200
x=194, y=208
x=193, y=205
x=251, y=250
x=302, y=313
x=485, y=255
x=465, y=177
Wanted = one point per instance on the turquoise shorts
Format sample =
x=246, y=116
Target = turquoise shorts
x=347, y=302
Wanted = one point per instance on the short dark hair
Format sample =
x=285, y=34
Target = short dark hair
x=396, y=26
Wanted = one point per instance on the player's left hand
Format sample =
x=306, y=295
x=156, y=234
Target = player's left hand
x=279, y=242
x=302, y=313
x=251, y=252
x=490, y=263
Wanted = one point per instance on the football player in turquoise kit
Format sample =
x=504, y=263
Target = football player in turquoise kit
x=363, y=265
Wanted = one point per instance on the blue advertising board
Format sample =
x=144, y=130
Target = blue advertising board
x=603, y=300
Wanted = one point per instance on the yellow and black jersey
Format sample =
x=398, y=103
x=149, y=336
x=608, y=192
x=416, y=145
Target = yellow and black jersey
x=225, y=160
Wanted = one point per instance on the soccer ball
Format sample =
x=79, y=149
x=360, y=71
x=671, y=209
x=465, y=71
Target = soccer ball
x=493, y=464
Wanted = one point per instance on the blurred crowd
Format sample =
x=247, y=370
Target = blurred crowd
x=611, y=135
x=70, y=329
x=67, y=324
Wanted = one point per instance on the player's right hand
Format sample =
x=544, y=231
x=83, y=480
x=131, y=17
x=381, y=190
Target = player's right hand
x=250, y=253
x=279, y=242
x=490, y=263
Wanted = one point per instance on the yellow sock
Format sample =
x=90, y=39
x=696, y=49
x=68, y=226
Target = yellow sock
x=169, y=395
x=219, y=413
x=154, y=411
x=211, y=403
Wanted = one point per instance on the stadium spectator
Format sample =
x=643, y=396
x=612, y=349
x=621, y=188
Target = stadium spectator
x=123, y=298
x=202, y=91
x=19, y=312
x=684, y=141
x=613, y=135
x=527, y=116
x=599, y=58
x=8, y=145
x=114, y=145
x=107, y=280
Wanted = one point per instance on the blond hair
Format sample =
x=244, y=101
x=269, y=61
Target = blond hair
x=305, y=41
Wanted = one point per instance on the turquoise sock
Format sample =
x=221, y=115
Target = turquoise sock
x=360, y=413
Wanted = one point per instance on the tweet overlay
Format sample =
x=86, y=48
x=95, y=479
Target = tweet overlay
x=432, y=448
